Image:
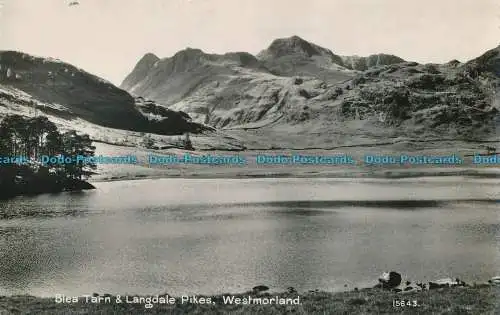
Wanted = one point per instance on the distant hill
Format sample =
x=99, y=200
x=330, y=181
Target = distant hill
x=82, y=95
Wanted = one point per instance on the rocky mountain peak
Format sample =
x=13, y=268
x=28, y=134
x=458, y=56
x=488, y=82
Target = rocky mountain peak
x=189, y=52
x=148, y=59
x=140, y=70
x=293, y=45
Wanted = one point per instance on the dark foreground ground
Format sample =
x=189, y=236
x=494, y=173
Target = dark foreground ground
x=481, y=299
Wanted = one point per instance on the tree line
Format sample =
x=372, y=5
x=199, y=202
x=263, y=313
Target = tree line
x=32, y=138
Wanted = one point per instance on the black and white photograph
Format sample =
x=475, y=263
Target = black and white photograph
x=249, y=157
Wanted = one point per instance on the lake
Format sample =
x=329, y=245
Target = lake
x=208, y=236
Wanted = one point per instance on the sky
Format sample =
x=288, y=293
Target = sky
x=108, y=37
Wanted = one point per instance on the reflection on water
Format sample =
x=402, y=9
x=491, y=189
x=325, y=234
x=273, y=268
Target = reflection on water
x=214, y=236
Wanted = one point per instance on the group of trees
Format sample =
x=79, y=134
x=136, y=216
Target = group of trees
x=32, y=138
x=29, y=137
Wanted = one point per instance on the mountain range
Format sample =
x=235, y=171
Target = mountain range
x=292, y=94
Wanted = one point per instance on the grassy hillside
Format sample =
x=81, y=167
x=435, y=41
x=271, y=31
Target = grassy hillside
x=81, y=94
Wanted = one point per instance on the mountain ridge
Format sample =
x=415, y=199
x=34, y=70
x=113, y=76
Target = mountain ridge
x=297, y=83
x=279, y=48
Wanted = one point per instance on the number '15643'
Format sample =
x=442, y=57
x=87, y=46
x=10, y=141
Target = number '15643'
x=405, y=303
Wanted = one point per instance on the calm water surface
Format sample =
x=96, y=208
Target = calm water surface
x=221, y=235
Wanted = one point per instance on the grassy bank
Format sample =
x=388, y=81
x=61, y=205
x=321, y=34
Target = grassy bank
x=482, y=299
x=141, y=170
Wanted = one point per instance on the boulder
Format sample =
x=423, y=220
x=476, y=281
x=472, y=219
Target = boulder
x=447, y=281
x=421, y=285
x=390, y=280
x=260, y=288
x=461, y=283
x=434, y=285
x=410, y=289
x=443, y=283
x=495, y=280
x=291, y=290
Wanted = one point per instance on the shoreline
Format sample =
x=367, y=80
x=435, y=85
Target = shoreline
x=383, y=174
x=476, y=299
x=144, y=170
x=77, y=186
